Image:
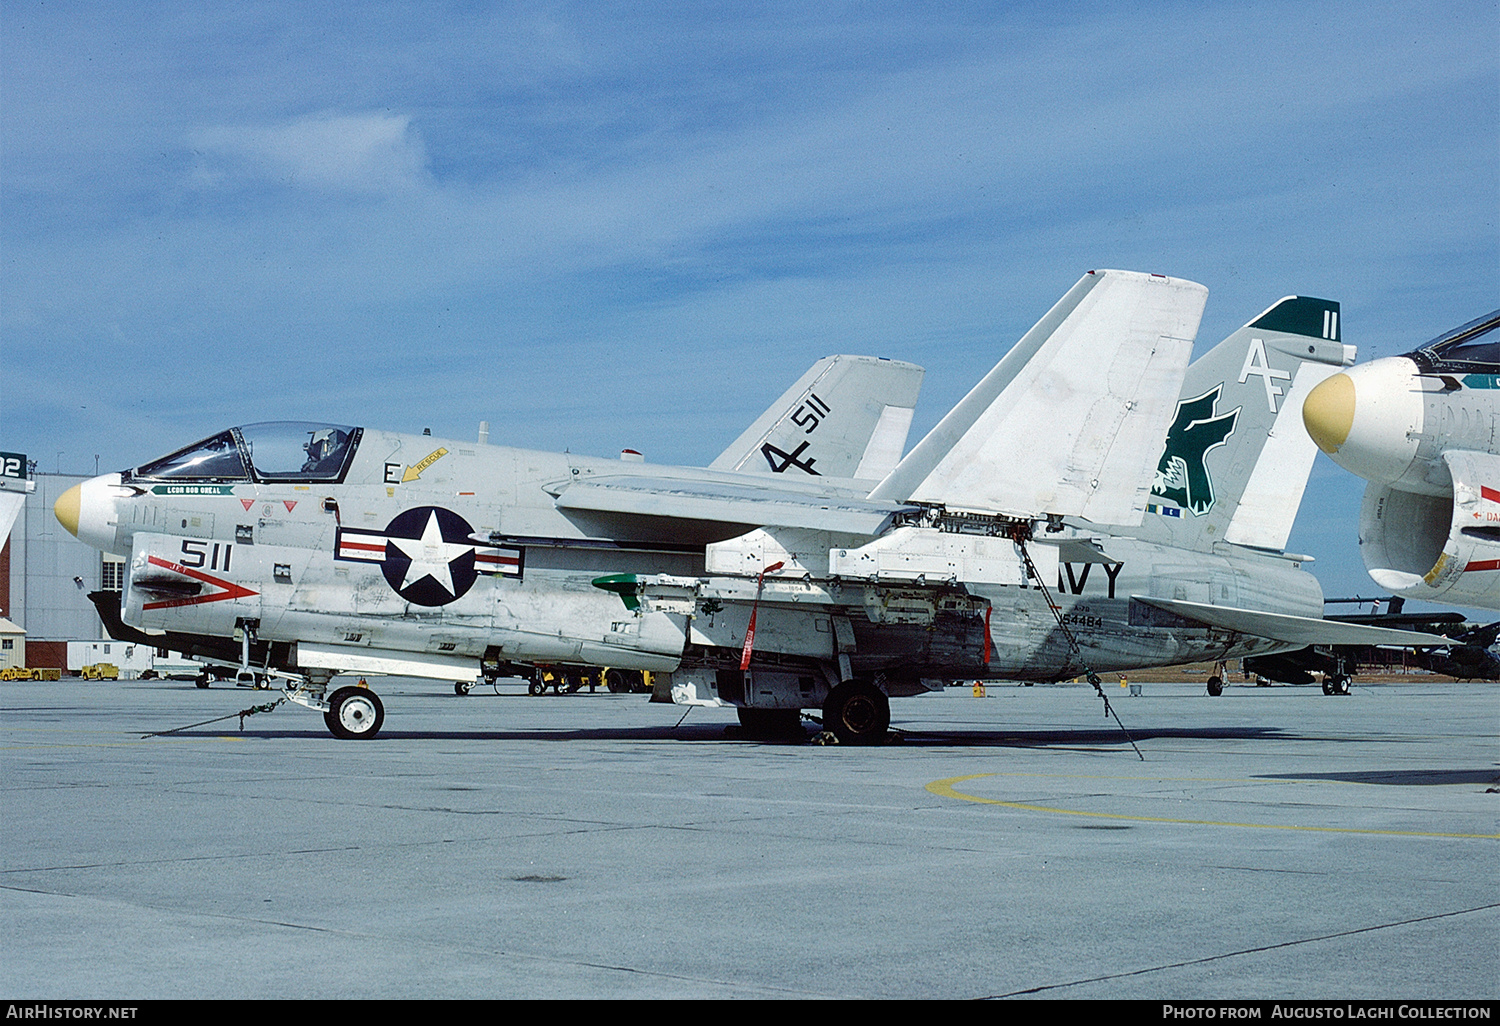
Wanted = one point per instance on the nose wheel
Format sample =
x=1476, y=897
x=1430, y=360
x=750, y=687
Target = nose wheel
x=354, y=714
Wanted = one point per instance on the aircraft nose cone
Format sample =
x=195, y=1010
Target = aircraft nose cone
x=67, y=507
x=1369, y=418
x=1328, y=412
x=89, y=511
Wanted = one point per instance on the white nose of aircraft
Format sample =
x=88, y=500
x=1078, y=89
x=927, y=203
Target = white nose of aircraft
x=1368, y=419
x=87, y=510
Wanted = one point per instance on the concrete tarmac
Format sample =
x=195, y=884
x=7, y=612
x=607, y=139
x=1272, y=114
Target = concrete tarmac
x=1273, y=844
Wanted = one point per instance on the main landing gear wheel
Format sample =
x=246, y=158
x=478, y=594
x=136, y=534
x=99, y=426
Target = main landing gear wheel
x=536, y=687
x=1336, y=685
x=462, y=687
x=1216, y=686
x=858, y=713
x=354, y=714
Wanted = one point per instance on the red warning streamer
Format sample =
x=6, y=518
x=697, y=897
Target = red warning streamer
x=760, y=582
x=987, y=611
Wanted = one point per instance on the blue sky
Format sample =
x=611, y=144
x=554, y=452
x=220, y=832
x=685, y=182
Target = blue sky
x=601, y=225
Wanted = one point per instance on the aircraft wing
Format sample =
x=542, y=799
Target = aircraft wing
x=727, y=502
x=1071, y=420
x=1294, y=630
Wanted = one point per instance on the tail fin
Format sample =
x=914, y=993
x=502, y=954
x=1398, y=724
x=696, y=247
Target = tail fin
x=1070, y=420
x=846, y=417
x=1237, y=458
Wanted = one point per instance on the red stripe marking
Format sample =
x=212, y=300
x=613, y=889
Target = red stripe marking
x=362, y=546
x=231, y=590
x=1489, y=493
x=1483, y=564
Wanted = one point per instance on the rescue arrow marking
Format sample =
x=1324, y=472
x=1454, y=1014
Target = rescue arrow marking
x=414, y=472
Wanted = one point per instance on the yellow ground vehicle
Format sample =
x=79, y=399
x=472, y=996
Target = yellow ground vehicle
x=567, y=679
x=564, y=680
x=100, y=671
x=24, y=673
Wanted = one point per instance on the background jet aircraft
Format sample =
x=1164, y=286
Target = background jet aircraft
x=1466, y=656
x=1421, y=429
x=327, y=548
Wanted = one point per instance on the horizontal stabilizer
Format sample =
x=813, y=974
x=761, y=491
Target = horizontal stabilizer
x=1071, y=420
x=1294, y=630
x=1077, y=550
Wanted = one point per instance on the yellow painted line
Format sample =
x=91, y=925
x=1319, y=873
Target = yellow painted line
x=946, y=789
x=1127, y=776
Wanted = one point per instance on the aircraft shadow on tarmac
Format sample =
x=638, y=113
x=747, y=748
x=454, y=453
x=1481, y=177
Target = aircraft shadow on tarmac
x=719, y=733
x=1401, y=778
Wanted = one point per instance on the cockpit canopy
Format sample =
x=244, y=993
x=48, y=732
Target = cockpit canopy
x=274, y=452
x=1473, y=348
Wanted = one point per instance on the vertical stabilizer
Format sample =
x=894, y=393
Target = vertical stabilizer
x=10, y=508
x=1070, y=420
x=847, y=417
x=1237, y=458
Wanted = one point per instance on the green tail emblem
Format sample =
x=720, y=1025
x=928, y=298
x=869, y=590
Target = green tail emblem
x=1182, y=475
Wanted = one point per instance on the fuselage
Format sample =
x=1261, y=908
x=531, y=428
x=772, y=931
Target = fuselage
x=442, y=553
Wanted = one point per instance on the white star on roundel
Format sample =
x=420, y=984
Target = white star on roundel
x=430, y=555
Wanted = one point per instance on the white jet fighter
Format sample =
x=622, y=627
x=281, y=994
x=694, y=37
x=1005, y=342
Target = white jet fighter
x=1421, y=429
x=770, y=586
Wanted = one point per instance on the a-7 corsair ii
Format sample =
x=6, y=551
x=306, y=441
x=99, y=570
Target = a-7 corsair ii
x=1422, y=430
x=328, y=548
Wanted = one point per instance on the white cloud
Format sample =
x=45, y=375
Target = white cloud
x=376, y=152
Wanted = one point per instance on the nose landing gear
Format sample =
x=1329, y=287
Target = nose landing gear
x=351, y=713
x=1216, y=681
x=354, y=714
